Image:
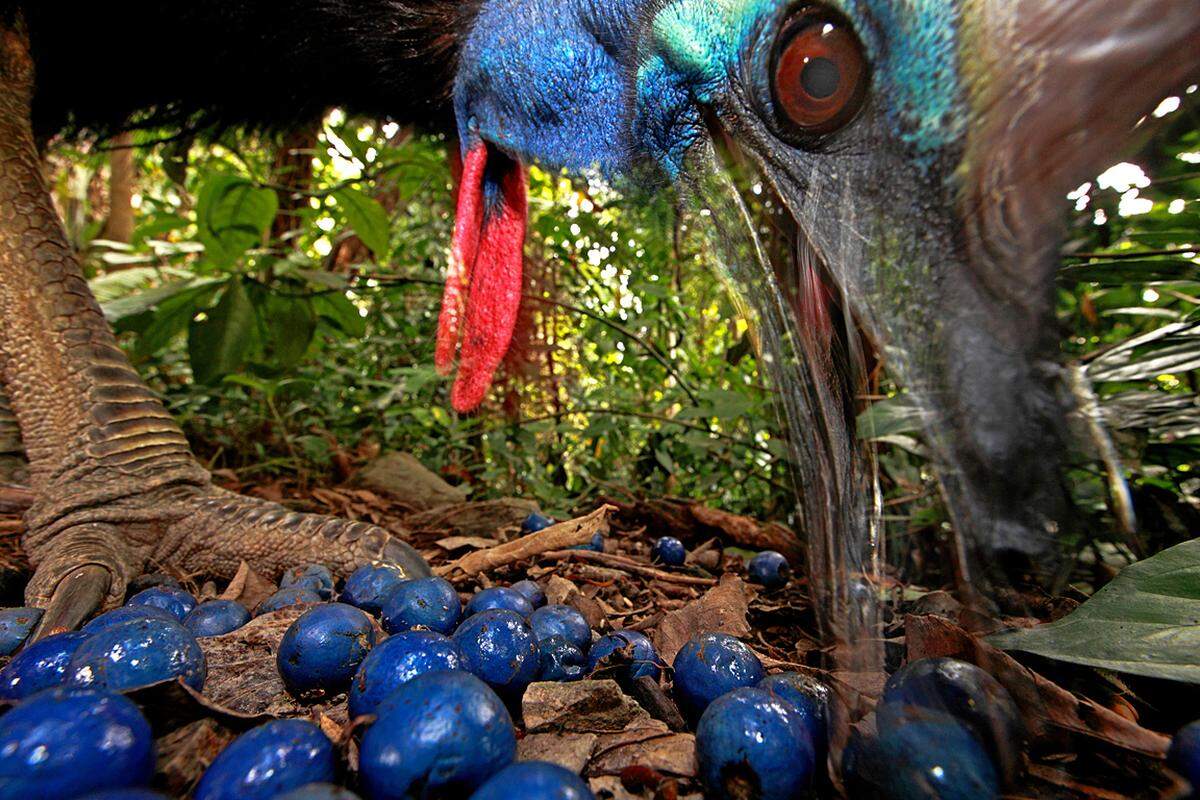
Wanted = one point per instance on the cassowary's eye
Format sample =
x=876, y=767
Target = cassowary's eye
x=820, y=74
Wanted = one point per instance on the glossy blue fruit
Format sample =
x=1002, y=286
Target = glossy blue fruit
x=1184, y=755
x=560, y=660
x=63, y=743
x=932, y=687
x=710, y=665
x=442, y=734
x=397, y=660
x=216, y=617
x=368, y=586
x=596, y=544
x=176, y=602
x=15, y=626
x=564, y=621
x=319, y=791
x=920, y=761
x=534, y=780
x=267, y=761
x=125, y=614
x=770, y=570
x=426, y=602
x=324, y=647
x=312, y=576
x=138, y=653
x=748, y=738
x=499, y=648
x=669, y=550
x=41, y=665
x=536, y=522
x=531, y=592
x=284, y=598
x=498, y=597
x=810, y=698
x=624, y=654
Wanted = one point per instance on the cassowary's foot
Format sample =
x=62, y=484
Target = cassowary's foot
x=85, y=563
x=117, y=486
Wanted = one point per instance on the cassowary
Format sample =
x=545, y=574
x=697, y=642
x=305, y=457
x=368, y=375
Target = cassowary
x=922, y=146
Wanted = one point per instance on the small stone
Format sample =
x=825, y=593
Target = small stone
x=569, y=750
x=580, y=707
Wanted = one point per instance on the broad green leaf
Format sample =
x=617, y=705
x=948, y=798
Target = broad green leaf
x=232, y=214
x=221, y=343
x=1146, y=622
x=895, y=415
x=339, y=311
x=290, y=323
x=172, y=316
x=367, y=218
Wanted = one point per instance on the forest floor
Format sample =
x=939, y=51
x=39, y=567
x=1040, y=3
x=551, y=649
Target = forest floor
x=1090, y=734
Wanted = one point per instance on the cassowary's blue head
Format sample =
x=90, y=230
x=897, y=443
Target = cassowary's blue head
x=923, y=147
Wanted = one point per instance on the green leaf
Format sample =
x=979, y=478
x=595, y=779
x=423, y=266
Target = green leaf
x=1146, y=622
x=895, y=415
x=232, y=215
x=172, y=316
x=290, y=322
x=339, y=311
x=368, y=219
x=1117, y=273
x=221, y=343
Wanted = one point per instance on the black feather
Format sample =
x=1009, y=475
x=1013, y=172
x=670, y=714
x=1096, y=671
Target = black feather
x=103, y=67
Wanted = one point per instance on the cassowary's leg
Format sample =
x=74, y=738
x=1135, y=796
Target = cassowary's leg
x=117, y=486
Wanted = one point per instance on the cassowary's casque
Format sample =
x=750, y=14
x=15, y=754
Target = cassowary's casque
x=922, y=146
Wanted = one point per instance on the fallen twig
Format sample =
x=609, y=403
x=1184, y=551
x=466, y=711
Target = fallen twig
x=555, y=538
x=628, y=565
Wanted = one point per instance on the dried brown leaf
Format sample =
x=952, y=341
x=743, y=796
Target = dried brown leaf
x=722, y=609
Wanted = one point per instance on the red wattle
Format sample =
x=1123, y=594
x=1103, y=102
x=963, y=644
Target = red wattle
x=483, y=284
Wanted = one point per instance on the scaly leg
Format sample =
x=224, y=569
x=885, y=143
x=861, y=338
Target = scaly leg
x=117, y=486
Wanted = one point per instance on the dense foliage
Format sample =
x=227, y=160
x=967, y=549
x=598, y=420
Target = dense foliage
x=282, y=292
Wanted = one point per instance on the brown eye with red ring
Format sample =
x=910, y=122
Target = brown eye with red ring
x=819, y=73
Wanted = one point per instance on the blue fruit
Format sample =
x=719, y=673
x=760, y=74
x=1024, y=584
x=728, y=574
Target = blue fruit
x=324, y=647
x=625, y=654
x=1184, y=755
x=596, y=544
x=312, y=576
x=319, y=791
x=396, y=661
x=534, y=780
x=291, y=596
x=368, y=586
x=536, y=522
x=216, y=617
x=267, y=761
x=669, y=550
x=560, y=660
x=15, y=626
x=932, y=687
x=498, y=597
x=810, y=698
x=66, y=742
x=563, y=621
x=710, y=665
x=770, y=570
x=176, y=602
x=498, y=647
x=126, y=614
x=426, y=602
x=442, y=734
x=750, y=744
x=42, y=665
x=920, y=761
x=531, y=592
x=138, y=653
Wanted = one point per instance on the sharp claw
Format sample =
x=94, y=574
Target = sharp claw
x=77, y=595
